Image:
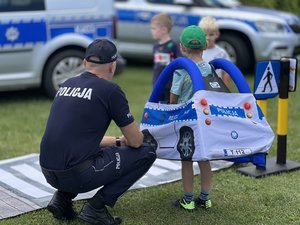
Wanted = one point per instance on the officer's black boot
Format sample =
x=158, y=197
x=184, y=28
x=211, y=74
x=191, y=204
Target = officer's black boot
x=61, y=207
x=98, y=216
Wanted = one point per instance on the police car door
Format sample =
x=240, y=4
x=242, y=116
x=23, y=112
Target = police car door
x=22, y=29
x=134, y=18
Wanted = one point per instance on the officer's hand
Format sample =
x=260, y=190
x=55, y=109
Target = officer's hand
x=123, y=140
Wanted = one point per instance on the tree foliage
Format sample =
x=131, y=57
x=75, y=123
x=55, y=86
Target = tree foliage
x=285, y=5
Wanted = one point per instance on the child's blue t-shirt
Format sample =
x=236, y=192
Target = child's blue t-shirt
x=182, y=84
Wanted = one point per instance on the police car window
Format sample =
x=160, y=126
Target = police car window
x=161, y=1
x=188, y=2
x=217, y=3
x=21, y=5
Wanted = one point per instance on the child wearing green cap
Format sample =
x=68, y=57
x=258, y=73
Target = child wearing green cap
x=192, y=44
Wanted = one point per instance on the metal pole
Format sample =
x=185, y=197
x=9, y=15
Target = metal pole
x=282, y=120
x=263, y=103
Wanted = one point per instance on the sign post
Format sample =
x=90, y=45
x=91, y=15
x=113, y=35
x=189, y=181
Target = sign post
x=263, y=104
x=288, y=78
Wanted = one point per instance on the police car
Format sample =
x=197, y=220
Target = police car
x=248, y=34
x=42, y=42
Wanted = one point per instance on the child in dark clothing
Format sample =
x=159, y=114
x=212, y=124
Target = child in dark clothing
x=164, y=50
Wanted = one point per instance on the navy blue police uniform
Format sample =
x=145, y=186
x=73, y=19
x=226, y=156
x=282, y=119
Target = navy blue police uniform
x=70, y=156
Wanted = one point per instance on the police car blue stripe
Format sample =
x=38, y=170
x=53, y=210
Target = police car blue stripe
x=22, y=33
x=126, y=15
x=181, y=20
x=33, y=32
x=90, y=28
x=160, y=117
x=72, y=21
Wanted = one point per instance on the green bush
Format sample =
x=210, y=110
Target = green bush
x=285, y=5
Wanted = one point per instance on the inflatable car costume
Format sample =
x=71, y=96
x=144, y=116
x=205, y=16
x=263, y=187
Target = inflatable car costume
x=211, y=125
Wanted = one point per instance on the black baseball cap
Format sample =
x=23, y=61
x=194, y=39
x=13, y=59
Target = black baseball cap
x=101, y=51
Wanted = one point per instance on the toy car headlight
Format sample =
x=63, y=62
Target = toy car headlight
x=270, y=27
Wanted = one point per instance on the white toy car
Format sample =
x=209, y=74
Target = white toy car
x=211, y=125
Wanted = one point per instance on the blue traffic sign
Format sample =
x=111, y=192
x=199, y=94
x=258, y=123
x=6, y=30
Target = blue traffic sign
x=266, y=79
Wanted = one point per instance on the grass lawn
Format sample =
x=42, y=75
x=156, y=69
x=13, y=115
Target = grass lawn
x=237, y=199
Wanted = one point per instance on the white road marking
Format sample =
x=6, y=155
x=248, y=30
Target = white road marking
x=32, y=173
x=22, y=186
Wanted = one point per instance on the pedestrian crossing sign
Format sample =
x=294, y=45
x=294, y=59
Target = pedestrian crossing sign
x=266, y=79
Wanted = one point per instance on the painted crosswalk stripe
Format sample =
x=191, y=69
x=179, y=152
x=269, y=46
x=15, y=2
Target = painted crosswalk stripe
x=24, y=187
x=32, y=173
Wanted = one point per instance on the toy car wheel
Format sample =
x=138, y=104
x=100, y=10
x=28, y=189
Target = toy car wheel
x=149, y=139
x=186, y=144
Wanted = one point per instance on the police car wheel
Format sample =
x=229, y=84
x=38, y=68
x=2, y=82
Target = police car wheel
x=238, y=51
x=60, y=67
x=186, y=144
x=121, y=64
x=149, y=139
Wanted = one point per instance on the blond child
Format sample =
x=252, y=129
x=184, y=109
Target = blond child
x=213, y=51
x=164, y=50
x=192, y=44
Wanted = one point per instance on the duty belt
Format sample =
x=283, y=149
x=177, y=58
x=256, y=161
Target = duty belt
x=69, y=172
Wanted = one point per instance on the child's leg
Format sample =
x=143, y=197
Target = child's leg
x=187, y=176
x=206, y=180
x=187, y=202
x=205, y=175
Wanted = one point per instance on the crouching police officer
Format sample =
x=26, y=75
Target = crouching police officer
x=71, y=158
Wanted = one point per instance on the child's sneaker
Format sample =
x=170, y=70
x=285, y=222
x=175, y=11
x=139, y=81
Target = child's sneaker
x=182, y=203
x=206, y=204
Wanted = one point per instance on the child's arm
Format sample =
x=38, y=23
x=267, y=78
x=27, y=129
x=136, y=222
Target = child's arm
x=226, y=78
x=173, y=98
x=178, y=80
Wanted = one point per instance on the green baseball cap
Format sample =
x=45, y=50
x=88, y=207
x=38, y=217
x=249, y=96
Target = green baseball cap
x=193, y=37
